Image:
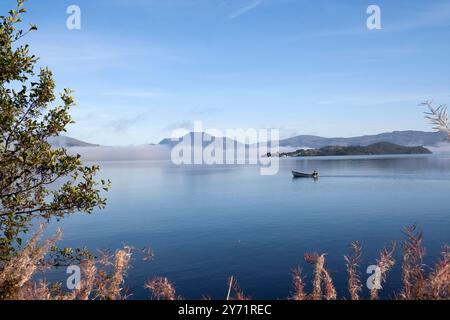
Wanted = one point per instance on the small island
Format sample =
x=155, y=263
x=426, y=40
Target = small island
x=381, y=148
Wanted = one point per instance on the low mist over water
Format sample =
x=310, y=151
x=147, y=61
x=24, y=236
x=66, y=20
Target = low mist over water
x=149, y=152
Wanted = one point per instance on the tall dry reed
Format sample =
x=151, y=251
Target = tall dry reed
x=298, y=285
x=17, y=277
x=19, y=271
x=162, y=289
x=354, y=277
x=384, y=265
x=323, y=287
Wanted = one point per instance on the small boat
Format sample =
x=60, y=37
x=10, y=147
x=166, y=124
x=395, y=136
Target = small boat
x=305, y=175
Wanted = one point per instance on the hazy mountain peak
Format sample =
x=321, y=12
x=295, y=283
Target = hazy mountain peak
x=67, y=142
x=205, y=137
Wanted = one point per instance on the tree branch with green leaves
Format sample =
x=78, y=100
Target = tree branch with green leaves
x=36, y=180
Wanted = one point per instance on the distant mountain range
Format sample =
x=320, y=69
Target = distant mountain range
x=402, y=138
x=380, y=148
x=202, y=137
x=67, y=142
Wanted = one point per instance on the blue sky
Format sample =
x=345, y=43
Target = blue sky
x=141, y=68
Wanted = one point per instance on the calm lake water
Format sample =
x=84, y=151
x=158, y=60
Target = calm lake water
x=208, y=223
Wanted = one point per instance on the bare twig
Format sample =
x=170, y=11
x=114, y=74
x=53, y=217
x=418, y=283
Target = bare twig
x=438, y=116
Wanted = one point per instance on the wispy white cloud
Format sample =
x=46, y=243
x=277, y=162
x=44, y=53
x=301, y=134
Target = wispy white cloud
x=184, y=124
x=245, y=9
x=122, y=126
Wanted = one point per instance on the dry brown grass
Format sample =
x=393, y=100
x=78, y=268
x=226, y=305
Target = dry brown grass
x=384, y=264
x=89, y=271
x=417, y=284
x=354, y=277
x=162, y=289
x=412, y=267
x=438, y=284
x=299, y=285
x=16, y=278
x=418, y=281
x=111, y=287
x=323, y=287
x=21, y=268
